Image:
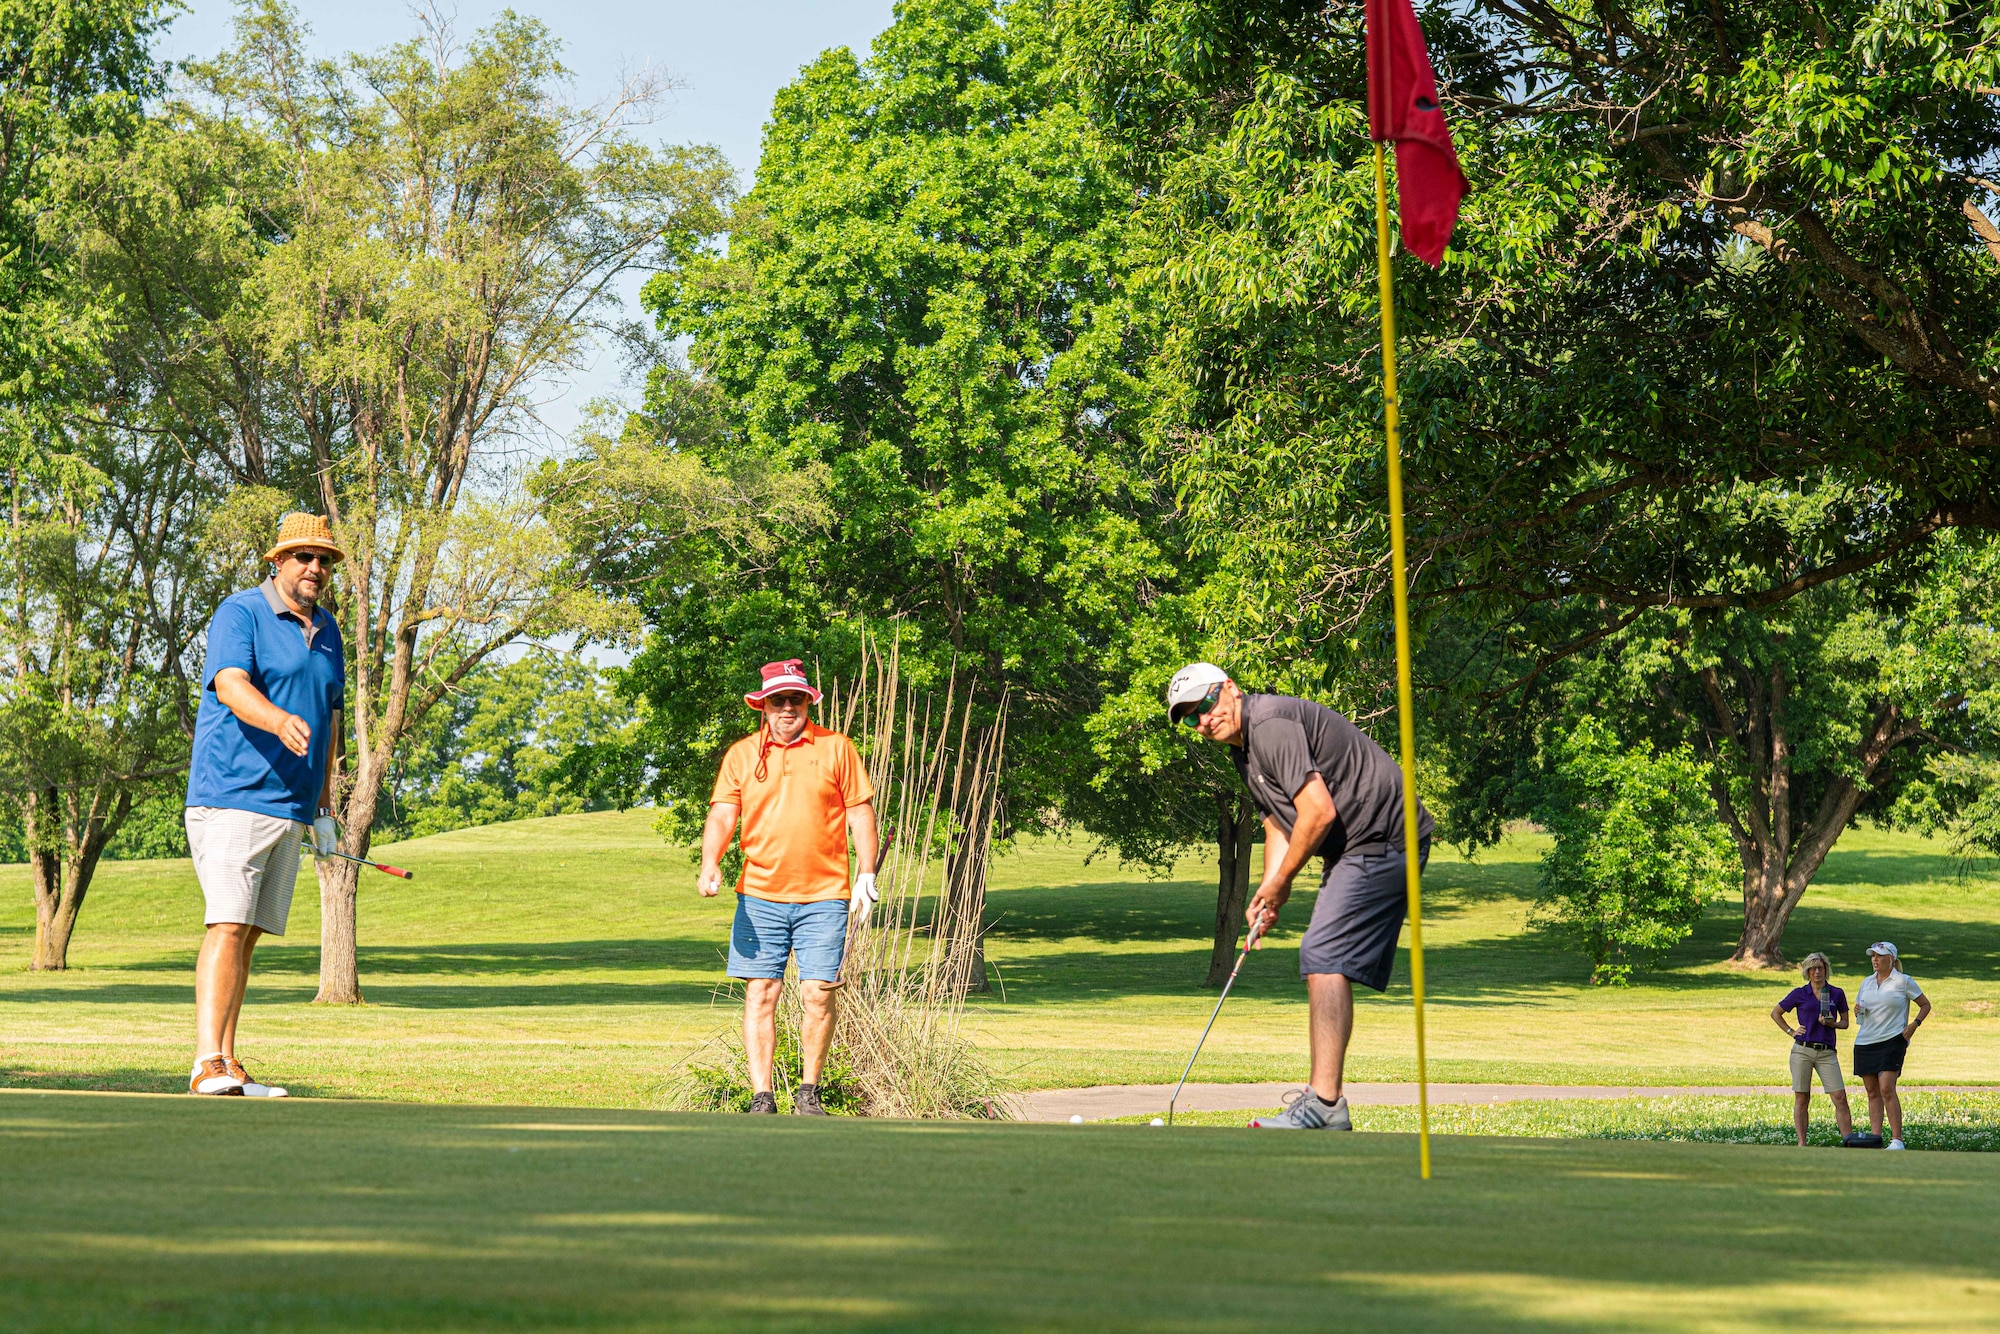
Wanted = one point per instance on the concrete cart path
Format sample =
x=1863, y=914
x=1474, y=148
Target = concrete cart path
x=1113, y=1100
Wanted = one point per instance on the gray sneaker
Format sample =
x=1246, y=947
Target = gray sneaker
x=805, y=1101
x=763, y=1104
x=1305, y=1111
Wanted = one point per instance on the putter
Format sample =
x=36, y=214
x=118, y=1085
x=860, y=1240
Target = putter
x=1248, y=942
x=384, y=867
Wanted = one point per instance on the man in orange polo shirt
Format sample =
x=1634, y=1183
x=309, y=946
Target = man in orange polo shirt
x=802, y=792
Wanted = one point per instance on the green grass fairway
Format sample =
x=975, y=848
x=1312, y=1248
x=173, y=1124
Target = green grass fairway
x=171, y=1214
x=569, y=961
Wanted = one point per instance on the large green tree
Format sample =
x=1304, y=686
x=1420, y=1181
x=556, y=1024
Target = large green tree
x=352, y=283
x=1831, y=706
x=1718, y=328
x=1713, y=258
x=69, y=73
x=924, y=297
x=100, y=520
x=508, y=744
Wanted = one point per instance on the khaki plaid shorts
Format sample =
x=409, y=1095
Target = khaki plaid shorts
x=247, y=863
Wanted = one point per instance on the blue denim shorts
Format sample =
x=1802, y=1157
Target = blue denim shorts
x=765, y=934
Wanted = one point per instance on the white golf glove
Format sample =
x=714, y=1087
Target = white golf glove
x=864, y=897
x=326, y=835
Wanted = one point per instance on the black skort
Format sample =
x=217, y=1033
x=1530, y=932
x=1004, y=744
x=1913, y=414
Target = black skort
x=1872, y=1058
x=1359, y=915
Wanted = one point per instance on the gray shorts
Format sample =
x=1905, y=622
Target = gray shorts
x=1355, y=924
x=247, y=863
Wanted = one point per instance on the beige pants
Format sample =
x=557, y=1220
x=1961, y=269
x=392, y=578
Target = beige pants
x=1806, y=1059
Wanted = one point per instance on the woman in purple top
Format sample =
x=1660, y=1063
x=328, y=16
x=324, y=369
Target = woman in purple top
x=1822, y=1009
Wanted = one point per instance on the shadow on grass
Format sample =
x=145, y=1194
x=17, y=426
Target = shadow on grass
x=1138, y=911
x=121, y=1080
x=1895, y=866
x=431, y=1218
x=1930, y=946
x=532, y=958
x=1916, y=1136
x=540, y=958
x=1523, y=967
x=383, y=990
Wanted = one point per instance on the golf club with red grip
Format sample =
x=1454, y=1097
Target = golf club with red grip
x=1248, y=942
x=383, y=867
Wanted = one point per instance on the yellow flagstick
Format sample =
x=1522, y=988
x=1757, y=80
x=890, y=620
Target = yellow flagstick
x=1404, y=708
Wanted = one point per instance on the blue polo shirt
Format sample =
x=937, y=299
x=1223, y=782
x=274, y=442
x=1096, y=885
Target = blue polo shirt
x=301, y=670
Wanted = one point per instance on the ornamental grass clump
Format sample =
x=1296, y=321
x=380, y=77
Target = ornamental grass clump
x=715, y=1077
x=900, y=1047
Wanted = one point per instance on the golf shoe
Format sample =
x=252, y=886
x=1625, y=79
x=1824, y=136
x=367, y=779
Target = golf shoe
x=1305, y=1111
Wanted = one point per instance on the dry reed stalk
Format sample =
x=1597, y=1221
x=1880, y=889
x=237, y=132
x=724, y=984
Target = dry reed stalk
x=909, y=966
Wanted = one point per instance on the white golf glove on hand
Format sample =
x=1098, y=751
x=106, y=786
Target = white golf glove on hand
x=326, y=835
x=864, y=897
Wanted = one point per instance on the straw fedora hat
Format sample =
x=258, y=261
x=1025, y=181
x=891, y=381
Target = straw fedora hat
x=305, y=530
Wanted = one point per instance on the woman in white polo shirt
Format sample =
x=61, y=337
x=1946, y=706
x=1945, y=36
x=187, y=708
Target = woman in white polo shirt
x=1882, y=1035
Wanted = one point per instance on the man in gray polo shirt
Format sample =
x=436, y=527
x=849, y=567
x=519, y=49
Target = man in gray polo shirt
x=1324, y=787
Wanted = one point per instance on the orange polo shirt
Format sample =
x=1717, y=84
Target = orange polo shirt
x=794, y=817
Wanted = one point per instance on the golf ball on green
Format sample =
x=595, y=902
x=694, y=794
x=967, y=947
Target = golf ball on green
x=1076, y=1120
x=1157, y=1121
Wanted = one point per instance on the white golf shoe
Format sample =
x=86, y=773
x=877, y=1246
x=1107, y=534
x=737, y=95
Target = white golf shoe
x=251, y=1088
x=1895, y=1144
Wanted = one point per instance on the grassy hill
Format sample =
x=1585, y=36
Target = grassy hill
x=569, y=961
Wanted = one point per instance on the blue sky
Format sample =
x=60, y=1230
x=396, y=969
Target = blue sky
x=731, y=57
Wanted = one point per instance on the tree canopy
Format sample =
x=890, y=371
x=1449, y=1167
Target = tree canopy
x=1717, y=327
x=1046, y=346
x=924, y=298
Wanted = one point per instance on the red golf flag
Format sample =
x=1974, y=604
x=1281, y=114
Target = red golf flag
x=1403, y=109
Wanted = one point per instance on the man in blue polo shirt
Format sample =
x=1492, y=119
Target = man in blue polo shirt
x=266, y=746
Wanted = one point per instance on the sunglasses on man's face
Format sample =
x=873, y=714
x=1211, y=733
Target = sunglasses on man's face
x=325, y=562
x=788, y=701
x=1200, y=708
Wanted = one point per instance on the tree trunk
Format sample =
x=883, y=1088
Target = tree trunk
x=55, y=917
x=340, y=881
x=1781, y=854
x=339, y=965
x=1765, y=914
x=62, y=879
x=1236, y=827
x=52, y=933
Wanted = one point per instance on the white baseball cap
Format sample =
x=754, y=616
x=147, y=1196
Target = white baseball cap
x=1191, y=685
x=1884, y=947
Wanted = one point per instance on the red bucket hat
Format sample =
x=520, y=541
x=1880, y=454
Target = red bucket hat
x=780, y=677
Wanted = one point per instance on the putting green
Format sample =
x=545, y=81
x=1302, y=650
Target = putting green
x=168, y=1213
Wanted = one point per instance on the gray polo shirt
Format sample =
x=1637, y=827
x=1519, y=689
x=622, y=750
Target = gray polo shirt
x=1286, y=740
